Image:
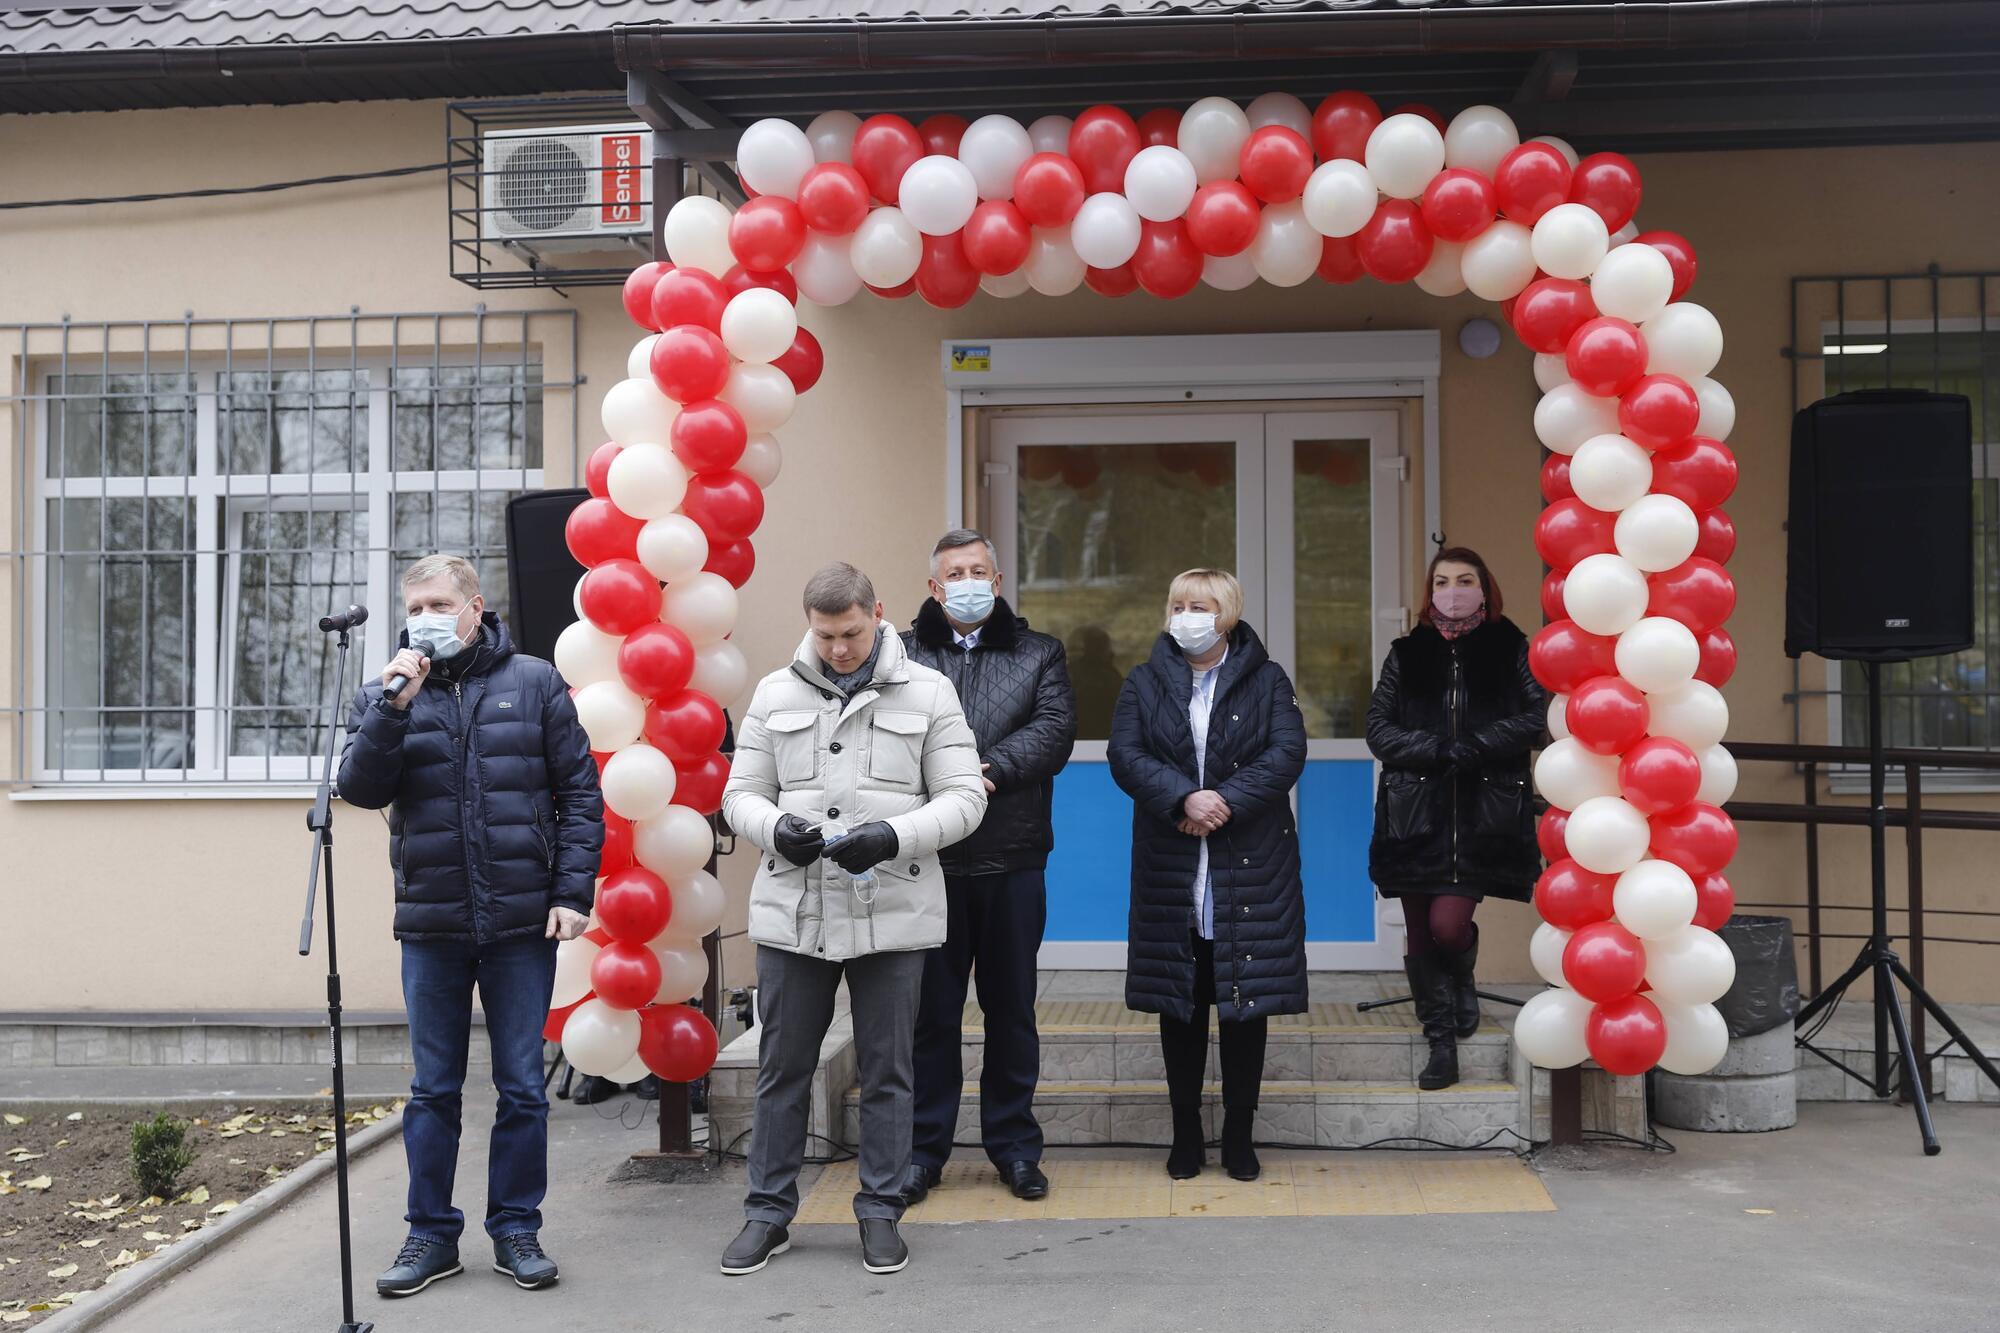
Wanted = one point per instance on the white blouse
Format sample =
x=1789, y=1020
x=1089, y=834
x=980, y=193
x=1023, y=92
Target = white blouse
x=1201, y=702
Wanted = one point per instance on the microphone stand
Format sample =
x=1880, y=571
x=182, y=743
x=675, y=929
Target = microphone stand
x=320, y=820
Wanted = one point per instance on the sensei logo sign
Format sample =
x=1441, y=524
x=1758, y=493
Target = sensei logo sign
x=620, y=201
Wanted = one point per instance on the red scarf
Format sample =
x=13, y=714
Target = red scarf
x=1453, y=627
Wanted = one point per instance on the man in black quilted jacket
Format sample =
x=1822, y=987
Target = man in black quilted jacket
x=1014, y=686
x=495, y=830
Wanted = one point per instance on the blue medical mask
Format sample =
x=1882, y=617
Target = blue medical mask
x=969, y=601
x=439, y=630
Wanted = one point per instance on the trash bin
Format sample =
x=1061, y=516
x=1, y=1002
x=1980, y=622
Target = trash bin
x=1755, y=1088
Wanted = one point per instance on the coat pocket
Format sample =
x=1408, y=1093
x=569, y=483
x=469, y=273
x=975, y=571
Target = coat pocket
x=776, y=900
x=794, y=747
x=1406, y=809
x=1498, y=805
x=896, y=748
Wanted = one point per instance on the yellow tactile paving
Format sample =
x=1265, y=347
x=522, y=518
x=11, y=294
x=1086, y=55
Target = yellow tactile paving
x=1112, y=1017
x=1355, y=1187
x=1480, y=1187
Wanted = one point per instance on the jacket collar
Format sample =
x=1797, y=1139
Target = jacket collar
x=892, y=667
x=493, y=646
x=1246, y=654
x=1001, y=631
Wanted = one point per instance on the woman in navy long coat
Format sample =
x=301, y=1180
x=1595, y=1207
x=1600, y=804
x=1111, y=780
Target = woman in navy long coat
x=1208, y=741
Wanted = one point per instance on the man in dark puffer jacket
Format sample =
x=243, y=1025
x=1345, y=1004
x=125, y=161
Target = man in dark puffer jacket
x=495, y=830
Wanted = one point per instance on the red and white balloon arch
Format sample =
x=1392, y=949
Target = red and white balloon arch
x=1226, y=195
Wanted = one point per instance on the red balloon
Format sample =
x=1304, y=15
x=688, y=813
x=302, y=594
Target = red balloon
x=656, y=660
x=1569, y=530
x=625, y=974
x=885, y=147
x=597, y=471
x=1275, y=164
x=634, y=905
x=552, y=1026
x=1626, y=1036
x=684, y=726
x=945, y=277
x=1698, y=837
x=1604, y=961
x=1118, y=281
x=1608, y=184
x=766, y=233
x=896, y=293
x=598, y=531
x=1697, y=592
x=1607, y=715
x=597, y=935
x=1166, y=263
x=708, y=436
x=1570, y=897
x=1658, y=774
x=739, y=280
x=619, y=596
x=1555, y=479
x=1550, y=311
x=727, y=506
x=1605, y=356
x=1680, y=257
x=803, y=362
x=1424, y=109
x=676, y=1042
x=1563, y=656
x=833, y=198
x=690, y=363
x=1658, y=412
x=638, y=294
x=689, y=296
x=1459, y=204
x=1160, y=128
x=617, y=853
x=1718, y=658
x=598, y=757
x=1531, y=180
x=1698, y=470
x=1102, y=143
x=997, y=237
x=941, y=133
x=1550, y=831
x=1222, y=220
x=700, y=783
x=1048, y=189
x=1341, y=126
x=1715, y=902
x=1394, y=245
x=1552, y=594
x=1718, y=536
x=735, y=562
x=1338, y=262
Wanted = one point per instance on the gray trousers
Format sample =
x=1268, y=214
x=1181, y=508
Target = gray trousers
x=795, y=1005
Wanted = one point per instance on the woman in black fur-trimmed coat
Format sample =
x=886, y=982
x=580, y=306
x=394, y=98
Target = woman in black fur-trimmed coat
x=1455, y=714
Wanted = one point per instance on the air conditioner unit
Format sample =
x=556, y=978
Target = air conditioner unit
x=569, y=187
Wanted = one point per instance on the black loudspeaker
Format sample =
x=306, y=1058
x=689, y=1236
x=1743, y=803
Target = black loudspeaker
x=541, y=573
x=1880, y=533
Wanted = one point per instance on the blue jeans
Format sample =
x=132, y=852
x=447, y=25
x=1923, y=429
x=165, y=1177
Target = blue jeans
x=514, y=978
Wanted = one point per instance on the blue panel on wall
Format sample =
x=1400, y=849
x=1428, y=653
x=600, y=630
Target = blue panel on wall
x=1336, y=815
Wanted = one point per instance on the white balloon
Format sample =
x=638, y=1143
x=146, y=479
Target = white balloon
x=1655, y=532
x=1443, y=276
x=938, y=194
x=576, y=599
x=703, y=606
x=1690, y=966
x=674, y=843
x=1160, y=183
x=1567, y=416
x=1561, y=146
x=611, y=715
x=1605, y=594
x=1551, y=370
x=1697, y=1038
x=1657, y=655
x=1718, y=775
x=720, y=672
x=762, y=395
x=1229, y=273
x=886, y=248
x=1006, y=284
x=573, y=960
x=1608, y=836
x=630, y=1072
x=832, y=136
x=1281, y=109
x=647, y=481
x=639, y=361
x=672, y=547
x=1633, y=283
x=1478, y=137
x=993, y=149
x=1499, y=262
x=761, y=462
x=1339, y=197
x=1718, y=408
x=1286, y=250
x=824, y=269
x=585, y=654
x=1550, y=1029
x=1053, y=266
x=1653, y=899
x=683, y=970
x=772, y=156
x=759, y=325
x=1626, y=234
x=1211, y=133
x=598, y=1039
x=1696, y=715
x=1609, y=472
x=698, y=906
x=1570, y=241
x=1404, y=153
x=1568, y=775
x=636, y=411
x=1050, y=134
x=698, y=235
x=1557, y=717
x=1683, y=339
x=1545, y=952
x=1105, y=230
x=638, y=782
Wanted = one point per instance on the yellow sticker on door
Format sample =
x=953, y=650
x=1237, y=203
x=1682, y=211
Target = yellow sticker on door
x=966, y=357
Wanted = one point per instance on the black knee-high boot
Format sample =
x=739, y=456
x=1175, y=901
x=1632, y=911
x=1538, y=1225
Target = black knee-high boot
x=1465, y=992
x=1243, y=1044
x=1436, y=1000
x=1184, y=1047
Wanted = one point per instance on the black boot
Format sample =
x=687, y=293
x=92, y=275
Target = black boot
x=1435, y=995
x=1239, y=1127
x=1465, y=992
x=1190, y=1151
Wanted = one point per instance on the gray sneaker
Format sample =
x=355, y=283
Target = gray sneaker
x=754, y=1247
x=882, y=1248
x=520, y=1257
x=418, y=1264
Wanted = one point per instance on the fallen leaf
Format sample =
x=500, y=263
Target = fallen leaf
x=38, y=1183
x=190, y=1223
x=74, y=1116
x=227, y=1205
x=151, y=1201
x=156, y=1236
x=65, y=1270
x=1760, y=1212
x=108, y=1200
x=197, y=1195
x=13, y=1119
x=238, y=1161
x=15, y=1317
x=90, y=1244
x=149, y=1218
x=124, y=1259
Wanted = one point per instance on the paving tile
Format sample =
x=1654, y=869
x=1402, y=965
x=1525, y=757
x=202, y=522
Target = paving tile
x=1212, y=1194
x=1355, y=1188
x=1499, y=1185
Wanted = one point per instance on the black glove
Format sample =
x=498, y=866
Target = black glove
x=798, y=842
x=1462, y=754
x=864, y=848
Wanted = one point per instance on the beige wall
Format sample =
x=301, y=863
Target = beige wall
x=174, y=904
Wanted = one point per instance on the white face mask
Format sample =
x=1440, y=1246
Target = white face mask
x=440, y=630
x=1194, y=631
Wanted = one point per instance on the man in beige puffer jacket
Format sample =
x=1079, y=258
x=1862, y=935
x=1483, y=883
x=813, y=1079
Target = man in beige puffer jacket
x=853, y=767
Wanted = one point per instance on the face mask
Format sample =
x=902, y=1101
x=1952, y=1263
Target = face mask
x=969, y=601
x=439, y=630
x=1194, y=631
x=1456, y=603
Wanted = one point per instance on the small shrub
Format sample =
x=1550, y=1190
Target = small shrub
x=160, y=1153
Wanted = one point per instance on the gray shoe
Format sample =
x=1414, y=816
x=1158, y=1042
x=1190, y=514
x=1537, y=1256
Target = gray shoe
x=520, y=1257
x=882, y=1249
x=418, y=1264
x=755, y=1246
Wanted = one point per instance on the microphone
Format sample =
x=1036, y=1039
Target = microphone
x=400, y=682
x=355, y=615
